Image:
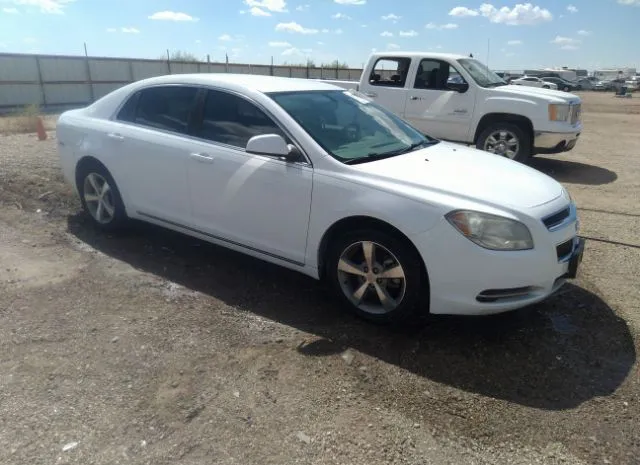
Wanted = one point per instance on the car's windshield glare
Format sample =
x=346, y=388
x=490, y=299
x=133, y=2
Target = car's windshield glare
x=481, y=73
x=348, y=125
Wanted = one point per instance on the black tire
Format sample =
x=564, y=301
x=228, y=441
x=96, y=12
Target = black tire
x=546, y=87
x=415, y=287
x=119, y=218
x=566, y=89
x=523, y=153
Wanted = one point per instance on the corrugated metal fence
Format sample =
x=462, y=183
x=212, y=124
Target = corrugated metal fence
x=53, y=81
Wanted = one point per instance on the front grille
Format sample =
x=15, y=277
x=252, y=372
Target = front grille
x=575, y=113
x=556, y=218
x=564, y=250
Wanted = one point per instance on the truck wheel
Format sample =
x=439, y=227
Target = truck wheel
x=507, y=140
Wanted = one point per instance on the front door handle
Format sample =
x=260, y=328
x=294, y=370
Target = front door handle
x=413, y=97
x=201, y=157
x=370, y=94
x=115, y=136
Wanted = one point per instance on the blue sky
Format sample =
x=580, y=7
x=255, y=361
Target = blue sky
x=586, y=33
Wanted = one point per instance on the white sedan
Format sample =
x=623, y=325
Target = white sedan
x=530, y=81
x=321, y=180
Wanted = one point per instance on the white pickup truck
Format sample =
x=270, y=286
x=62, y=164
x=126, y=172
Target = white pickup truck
x=459, y=99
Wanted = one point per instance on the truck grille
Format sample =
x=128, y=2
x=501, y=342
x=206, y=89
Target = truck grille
x=575, y=113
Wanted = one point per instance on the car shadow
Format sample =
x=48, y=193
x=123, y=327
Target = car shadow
x=573, y=172
x=554, y=356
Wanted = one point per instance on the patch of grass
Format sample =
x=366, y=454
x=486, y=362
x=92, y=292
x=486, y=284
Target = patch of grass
x=22, y=122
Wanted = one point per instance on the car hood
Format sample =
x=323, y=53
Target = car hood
x=538, y=93
x=467, y=172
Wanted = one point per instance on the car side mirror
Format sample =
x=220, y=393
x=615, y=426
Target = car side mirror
x=461, y=87
x=273, y=145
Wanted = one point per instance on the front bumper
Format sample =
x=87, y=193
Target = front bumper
x=465, y=279
x=554, y=142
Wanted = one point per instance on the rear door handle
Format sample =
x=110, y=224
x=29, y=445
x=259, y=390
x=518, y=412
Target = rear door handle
x=413, y=97
x=201, y=157
x=115, y=136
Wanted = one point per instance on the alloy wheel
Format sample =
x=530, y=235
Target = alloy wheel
x=504, y=143
x=371, y=277
x=99, y=198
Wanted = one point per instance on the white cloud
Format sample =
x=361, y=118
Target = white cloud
x=297, y=51
x=341, y=16
x=172, y=16
x=295, y=28
x=198, y=41
x=276, y=6
x=441, y=26
x=461, y=11
x=520, y=14
x=10, y=11
x=351, y=2
x=629, y=2
x=391, y=17
x=387, y=34
x=393, y=46
x=514, y=42
x=279, y=44
x=560, y=40
x=29, y=40
x=572, y=9
x=255, y=11
x=338, y=31
x=225, y=38
x=54, y=7
x=410, y=33
x=130, y=30
x=320, y=43
x=302, y=7
x=582, y=32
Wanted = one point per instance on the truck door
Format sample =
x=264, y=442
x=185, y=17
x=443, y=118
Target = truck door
x=440, y=102
x=386, y=83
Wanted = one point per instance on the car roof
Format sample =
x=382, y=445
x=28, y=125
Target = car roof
x=241, y=82
x=417, y=55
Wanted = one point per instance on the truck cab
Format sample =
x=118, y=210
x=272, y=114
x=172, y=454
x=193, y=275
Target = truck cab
x=457, y=98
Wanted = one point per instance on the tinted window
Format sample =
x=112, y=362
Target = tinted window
x=167, y=108
x=436, y=74
x=128, y=110
x=232, y=120
x=390, y=72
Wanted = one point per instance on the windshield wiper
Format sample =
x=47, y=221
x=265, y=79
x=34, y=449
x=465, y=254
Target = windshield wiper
x=380, y=156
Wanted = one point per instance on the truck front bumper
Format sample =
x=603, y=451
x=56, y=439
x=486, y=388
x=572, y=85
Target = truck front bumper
x=554, y=142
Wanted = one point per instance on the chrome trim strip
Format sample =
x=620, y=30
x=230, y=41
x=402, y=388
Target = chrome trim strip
x=212, y=236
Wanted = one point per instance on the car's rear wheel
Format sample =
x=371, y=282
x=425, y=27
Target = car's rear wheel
x=100, y=196
x=546, y=87
x=376, y=275
x=507, y=140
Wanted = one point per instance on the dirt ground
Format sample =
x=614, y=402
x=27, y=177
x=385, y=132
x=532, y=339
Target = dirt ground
x=150, y=347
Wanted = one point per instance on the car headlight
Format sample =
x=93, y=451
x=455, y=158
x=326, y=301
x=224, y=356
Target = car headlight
x=559, y=112
x=491, y=231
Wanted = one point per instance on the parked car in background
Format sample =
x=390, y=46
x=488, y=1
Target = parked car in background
x=563, y=84
x=603, y=85
x=512, y=121
x=396, y=217
x=531, y=81
x=586, y=84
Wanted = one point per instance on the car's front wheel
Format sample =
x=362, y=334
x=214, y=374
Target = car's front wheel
x=376, y=275
x=100, y=196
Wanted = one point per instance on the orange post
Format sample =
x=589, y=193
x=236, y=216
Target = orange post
x=42, y=134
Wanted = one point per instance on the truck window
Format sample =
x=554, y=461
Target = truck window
x=390, y=72
x=435, y=75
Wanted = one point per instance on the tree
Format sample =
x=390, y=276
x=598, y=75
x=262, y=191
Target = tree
x=180, y=55
x=336, y=65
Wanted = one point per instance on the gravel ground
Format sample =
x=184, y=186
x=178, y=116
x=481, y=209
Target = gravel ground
x=150, y=347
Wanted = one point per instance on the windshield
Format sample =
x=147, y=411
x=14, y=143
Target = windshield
x=350, y=127
x=481, y=74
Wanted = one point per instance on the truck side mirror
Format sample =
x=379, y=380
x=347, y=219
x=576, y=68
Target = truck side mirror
x=461, y=87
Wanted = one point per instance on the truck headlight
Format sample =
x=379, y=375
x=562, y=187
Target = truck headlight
x=491, y=231
x=559, y=112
